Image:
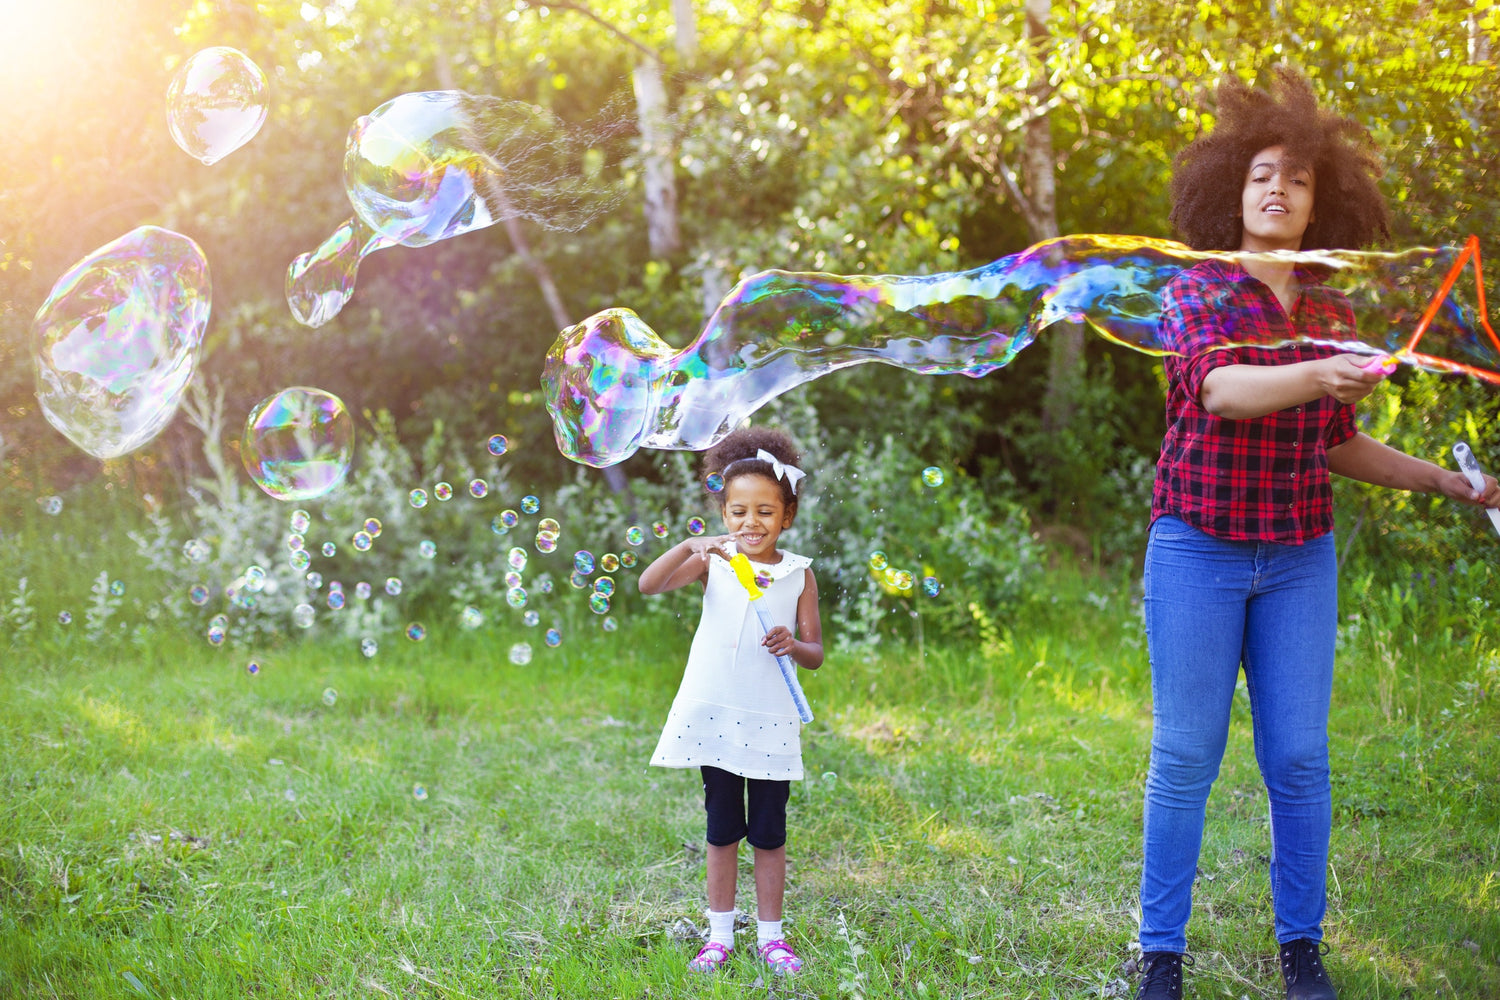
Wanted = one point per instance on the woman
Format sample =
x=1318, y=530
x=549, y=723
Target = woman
x=1240, y=564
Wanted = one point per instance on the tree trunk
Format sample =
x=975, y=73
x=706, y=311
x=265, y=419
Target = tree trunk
x=656, y=152
x=685, y=35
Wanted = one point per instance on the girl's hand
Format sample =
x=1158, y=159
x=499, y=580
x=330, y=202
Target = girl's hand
x=719, y=545
x=779, y=641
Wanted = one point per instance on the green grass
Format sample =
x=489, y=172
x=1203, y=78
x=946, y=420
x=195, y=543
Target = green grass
x=970, y=826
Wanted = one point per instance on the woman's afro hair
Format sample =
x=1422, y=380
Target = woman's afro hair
x=741, y=446
x=1209, y=175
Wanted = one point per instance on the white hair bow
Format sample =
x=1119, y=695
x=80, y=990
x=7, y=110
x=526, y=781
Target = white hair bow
x=791, y=473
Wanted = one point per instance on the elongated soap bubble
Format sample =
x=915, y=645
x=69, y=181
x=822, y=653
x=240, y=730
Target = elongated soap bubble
x=116, y=342
x=298, y=443
x=613, y=386
x=216, y=103
x=431, y=165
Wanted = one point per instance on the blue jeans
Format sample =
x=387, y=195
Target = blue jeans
x=1212, y=606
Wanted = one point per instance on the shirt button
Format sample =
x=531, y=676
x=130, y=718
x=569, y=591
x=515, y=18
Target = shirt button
x=1294, y=475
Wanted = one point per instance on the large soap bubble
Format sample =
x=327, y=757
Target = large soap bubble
x=216, y=103
x=613, y=385
x=116, y=341
x=298, y=443
x=431, y=165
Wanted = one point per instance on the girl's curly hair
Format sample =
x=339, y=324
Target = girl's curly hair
x=739, y=448
x=1209, y=175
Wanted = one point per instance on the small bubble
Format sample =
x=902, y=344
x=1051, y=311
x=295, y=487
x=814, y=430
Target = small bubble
x=314, y=580
x=497, y=444
x=554, y=637
x=509, y=518
x=545, y=585
x=763, y=580
x=583, y=561
x=369, y=647
x=295, y=542
x=903, y=580
x=550, y=526
x=599, y=603
x=628, y=560
x=609, y=562
x=65, y=618
x=362, y=541
x=479, y=489
x=255, y=579
x=546, y=541
x=302, y=615
x=330, y=696
x=714, y=483
x=198, y=595
x=196, y=550
x=604, y=585
x=393, y=585
x=609, y=624
x=530, y=505
x=931, y=586
x=696, y=526
x=301, y=520
x=51, y=505
x=498, y=525
x=426, y=548
x=878, y=560
x=335, y=600
x=516, y=559
x=520, y=654
x=516, y=597
x=417, y=498
x=660, y=529
x=932, y=476
x=330, y=550
x=299, y=560
x=471, y=618
x=578, y=580
x=512, y=579
x=362, y=590
x=635, y=534
x=373, y=527
x=419, y=792
x=830, y=777
x=117, y=588
x=531, y=618
x=252, y=668
x=215, y=635
x=443, y=491
x=416, y=631
x=290, y=795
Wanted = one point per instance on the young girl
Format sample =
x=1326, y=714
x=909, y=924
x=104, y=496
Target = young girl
x=733, y=716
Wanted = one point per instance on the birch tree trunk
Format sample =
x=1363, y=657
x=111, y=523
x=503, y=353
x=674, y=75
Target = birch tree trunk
x=656, y=153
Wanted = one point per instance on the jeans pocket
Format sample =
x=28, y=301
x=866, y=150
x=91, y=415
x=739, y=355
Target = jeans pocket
x=1169, y=529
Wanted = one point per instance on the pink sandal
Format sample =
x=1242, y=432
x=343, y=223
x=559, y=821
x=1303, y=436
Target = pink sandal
x=780, y=957
x=710, y=957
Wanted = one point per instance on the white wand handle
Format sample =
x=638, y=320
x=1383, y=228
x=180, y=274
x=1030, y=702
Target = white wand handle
x=1464, y=455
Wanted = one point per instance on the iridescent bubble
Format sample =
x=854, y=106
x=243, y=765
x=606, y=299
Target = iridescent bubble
x=216, y=635
x=255, y=579
x=314, y=580
x=443, y=491
x=578, y=580
x=369, y=647
x=299, y=560
x=609, y=624
x=696, y=526
x=51, y=506
x=252, y=668
x=303, y=615
x=714, y=483
x=531, y=618
x=65, y=618
x=479, y=489
x=604, y=585
x=583, y=561
x=660, y=529
x=320, y=282
x=520, y=654
x=544, y=585
x=509, y=518
x=117, y=339
x=546, y=541
x=373, y=527
x=516, y=559
x=417, y=498
x=599, y=603
x=335, y=586
x=609, y=562
x=512, y=579
x=362, y=590
x=878, y=560
x=198, y=595
x=329, y=550
x=931, y=586
x=498, y=525
x=516, y=597
x=498, y=445
x=216, y=103
x=335, y=600
x=628, y=559
x=427, y=548
x=295, y=543
x=903, y=580
x=416, y=631
x=196, y=550
x=298, y=443
x=553, y=638
x=635, y=535
x=362, y=541
x=117, y=588
x=471, y=618
x=300, y=521
x=330, y=697
x=549, y=526
x=419, y=792
x=530, y=505
x=932, y=476
x=763, y=579
x=393, y=586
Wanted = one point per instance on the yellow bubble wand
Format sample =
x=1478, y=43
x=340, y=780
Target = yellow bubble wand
x=745, y=573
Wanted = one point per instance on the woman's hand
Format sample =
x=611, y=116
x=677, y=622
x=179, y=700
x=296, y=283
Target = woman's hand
x=779, y=641
x=1345, y=377
x=1455, y=486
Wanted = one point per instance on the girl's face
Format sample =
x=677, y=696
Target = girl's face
x=1276, y=205
x=756, y=514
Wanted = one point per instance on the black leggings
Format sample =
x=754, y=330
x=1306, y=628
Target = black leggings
x=724, y=797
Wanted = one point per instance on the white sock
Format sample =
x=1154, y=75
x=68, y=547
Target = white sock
x=721, y=927
x=767, y=931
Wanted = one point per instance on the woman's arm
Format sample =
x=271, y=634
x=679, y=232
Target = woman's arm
x=807, y=651
x=1363, y=458
x=682, y=564
x=1241, y=392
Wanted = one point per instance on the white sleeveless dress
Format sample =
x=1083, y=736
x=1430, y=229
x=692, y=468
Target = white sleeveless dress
x=733, y=710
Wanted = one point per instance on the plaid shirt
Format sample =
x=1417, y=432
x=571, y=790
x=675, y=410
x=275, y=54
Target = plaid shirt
x=1263, y=479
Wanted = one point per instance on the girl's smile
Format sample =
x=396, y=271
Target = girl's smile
x=756, y=515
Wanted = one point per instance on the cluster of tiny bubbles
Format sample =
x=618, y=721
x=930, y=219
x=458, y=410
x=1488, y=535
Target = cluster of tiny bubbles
x=696, y=526
x=878, y=560
x=117, y=588
x=512, y=579
x=578, y=580
x=393, y=585
x=362, y=590
x=714, y=483
x=443, y=491
x=426, y=548
x=298, y=443
x=931, y=586
x=330, y=550
x=583, y=561
x=416, y=631
x=50, y=505
x=369, y=647
x=497, y=444
x=252, y=668
x=196, y=550
x=530, y=504
x=479, y=489
x=302, y=615
x=301, y=520
x=198, y=595
x=419, y=792
x=218, y=627
x=634, y=534
x=516, y=597
x=216, y=103
x=295, y=542
x=660, y=529
x=314, y=580
x=255, y=578
x=65, y=618
x=554, y=638
x=299, y=560
x=362, y=541
x=609, y=624
x=531, y=619
x=609, y=562
x=471, y=618
x=520, y=654
x=932, y=476
x=330, y=696
x=417, y=498
x=516, y=559
x=628, y=559
x=599, y=603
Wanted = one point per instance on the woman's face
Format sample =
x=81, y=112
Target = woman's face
x=1276, y=204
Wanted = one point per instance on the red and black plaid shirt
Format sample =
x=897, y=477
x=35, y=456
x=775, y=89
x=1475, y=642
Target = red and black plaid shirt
x=1264, y=479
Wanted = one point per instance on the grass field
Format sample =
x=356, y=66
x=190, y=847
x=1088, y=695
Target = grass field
x=438, y=822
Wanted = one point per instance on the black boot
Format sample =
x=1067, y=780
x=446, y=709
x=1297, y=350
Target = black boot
x=1302, y=968
x=1161, y=975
